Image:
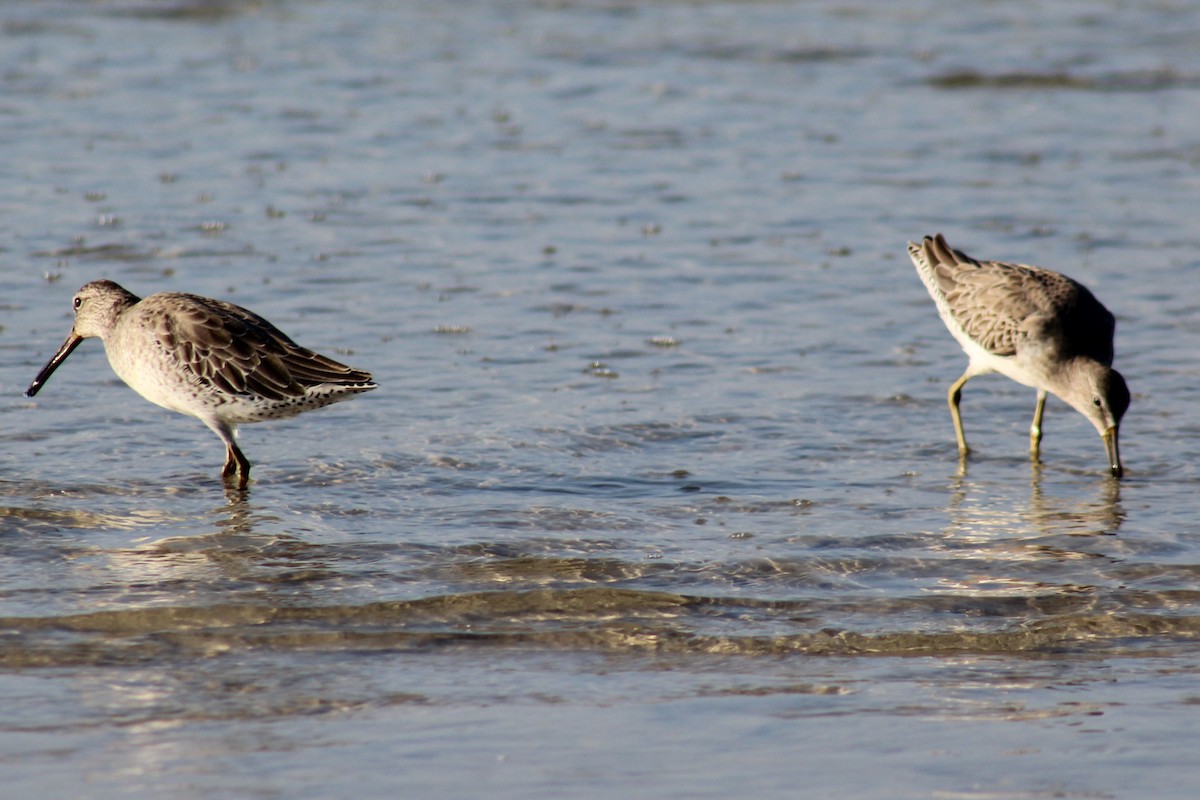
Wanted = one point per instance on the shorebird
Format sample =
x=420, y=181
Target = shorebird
x=1038, y=327
x=205, y=358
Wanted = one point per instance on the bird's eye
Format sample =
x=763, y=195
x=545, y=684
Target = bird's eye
x=1096, y=401
x=78, y=302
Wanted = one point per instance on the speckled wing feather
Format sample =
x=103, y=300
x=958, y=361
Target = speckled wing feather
x=239, y=352
x=1000, y=304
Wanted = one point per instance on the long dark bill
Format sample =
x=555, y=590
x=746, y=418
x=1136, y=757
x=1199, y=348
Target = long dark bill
x=70, y=344
x=1113, y=453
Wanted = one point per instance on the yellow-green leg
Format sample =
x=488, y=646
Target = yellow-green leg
x=1035, y=430
x=953, y=396
x=237, y=466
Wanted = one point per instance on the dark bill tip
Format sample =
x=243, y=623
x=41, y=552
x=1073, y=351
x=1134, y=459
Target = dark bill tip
x=70, y=344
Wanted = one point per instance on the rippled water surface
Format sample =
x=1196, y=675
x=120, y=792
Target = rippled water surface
x=659, y=495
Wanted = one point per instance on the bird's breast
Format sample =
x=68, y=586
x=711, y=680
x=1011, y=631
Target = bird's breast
x=151, y=371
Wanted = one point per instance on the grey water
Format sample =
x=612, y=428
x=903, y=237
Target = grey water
x=658, y=496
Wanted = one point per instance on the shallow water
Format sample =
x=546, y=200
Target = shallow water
x=659, y=495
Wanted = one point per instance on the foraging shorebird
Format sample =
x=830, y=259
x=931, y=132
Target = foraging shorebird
x=205, y=358
x=1038, y=327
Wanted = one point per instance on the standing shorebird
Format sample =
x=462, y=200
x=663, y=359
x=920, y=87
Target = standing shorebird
x=205, y=358
x=1038, y=327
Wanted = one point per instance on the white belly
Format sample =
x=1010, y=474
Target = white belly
x=149, y=372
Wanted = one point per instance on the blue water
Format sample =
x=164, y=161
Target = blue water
x=659, y=495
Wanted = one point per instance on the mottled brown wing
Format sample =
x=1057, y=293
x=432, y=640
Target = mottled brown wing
x=999, y=303
x=239, y=352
